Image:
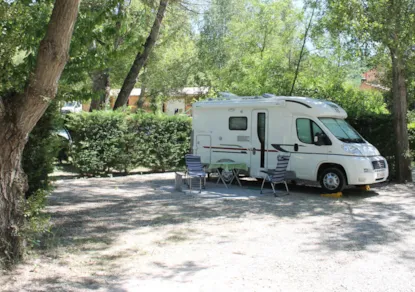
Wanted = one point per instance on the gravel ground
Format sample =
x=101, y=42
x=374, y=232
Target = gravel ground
x=136, y=233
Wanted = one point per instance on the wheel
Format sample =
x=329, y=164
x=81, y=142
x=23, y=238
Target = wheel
x=332, y=180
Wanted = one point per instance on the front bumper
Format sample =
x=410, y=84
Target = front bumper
x=368, y=170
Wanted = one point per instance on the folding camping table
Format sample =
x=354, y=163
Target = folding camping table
x=227, y=167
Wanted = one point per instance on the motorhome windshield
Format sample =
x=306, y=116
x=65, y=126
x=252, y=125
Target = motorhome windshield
x=342, y=130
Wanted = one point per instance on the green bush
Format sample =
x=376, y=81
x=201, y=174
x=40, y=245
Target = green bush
x=411, y=130
x=38, y=161
x=378, y=130
x=97, y=141
x=162, y=140
x=37, y=223
x=41, y=150
x=104, y=141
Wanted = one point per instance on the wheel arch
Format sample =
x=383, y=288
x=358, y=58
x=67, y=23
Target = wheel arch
x=326, y=165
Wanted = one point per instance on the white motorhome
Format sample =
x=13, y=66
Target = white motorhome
x=71, y=107
x=254, y=130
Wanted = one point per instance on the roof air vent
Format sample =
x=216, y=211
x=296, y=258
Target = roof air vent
x=227, y=95
x=268, y=95
x=335, y=107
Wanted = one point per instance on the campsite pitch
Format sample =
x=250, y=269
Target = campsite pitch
x=137, y=233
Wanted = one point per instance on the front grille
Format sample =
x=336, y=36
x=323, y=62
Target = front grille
x=379, y=164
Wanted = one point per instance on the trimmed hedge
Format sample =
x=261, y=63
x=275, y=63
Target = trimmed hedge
x=411, y=130
x=378, y=130
x=105, y=140
x=162, y=141
x=98, y=140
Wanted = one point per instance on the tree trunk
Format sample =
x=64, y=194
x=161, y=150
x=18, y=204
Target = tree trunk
x=101, y=85
x=141, y=58
x=400, y=107
x=13, y=185
x=19, y=114
x=297, y=70
x=142, y=98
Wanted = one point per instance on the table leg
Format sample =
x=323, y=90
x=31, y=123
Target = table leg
x=236, y=176
x=220, y=178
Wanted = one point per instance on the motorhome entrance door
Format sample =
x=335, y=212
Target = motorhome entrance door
x=259, y=134
x=203, y=143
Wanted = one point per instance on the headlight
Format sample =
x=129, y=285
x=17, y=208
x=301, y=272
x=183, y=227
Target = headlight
x=351, y=149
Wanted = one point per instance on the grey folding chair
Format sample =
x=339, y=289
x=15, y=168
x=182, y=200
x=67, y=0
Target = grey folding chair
x=194, y=168
x=277, y=175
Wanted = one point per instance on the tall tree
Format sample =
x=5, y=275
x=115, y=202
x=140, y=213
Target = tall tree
x=302, y=51
x=255, y=37
x=141, y=57
x=101, y=77
x=172, y=64
x=386, y=24
x=215, y=30
x=104, y=41
x=19, y=113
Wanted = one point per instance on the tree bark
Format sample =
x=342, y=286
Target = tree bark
x=19, y=114
x=141, y=58
x=142, y=98
x=13, y=185
x=101, y=85
x=297, y=70
x=400, y=108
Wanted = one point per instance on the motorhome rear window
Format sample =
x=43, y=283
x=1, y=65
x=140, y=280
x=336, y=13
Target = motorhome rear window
x=238, y=123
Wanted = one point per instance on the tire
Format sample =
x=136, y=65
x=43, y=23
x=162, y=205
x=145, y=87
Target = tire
x=332, y=180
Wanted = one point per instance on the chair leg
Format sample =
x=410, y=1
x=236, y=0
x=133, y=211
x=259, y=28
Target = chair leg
x=262, y=186
x=190, y=184
x=200, y=184
x=286, y=187
x=273, y=189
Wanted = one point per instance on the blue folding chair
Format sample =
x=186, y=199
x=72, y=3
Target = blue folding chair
x=277, y=175
x=194, y=168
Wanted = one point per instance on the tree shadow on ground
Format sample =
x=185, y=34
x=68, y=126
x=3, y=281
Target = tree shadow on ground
x=91, y=215
x=56, y=283
x=105, y=210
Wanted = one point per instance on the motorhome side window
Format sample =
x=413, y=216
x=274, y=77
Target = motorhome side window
x=306, y=130
x=238, y=123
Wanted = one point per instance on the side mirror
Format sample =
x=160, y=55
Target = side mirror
x=319, y=139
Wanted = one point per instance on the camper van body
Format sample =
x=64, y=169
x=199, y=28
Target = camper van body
x=254, y=130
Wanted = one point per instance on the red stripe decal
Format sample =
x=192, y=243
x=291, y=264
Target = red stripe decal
x=227, y=148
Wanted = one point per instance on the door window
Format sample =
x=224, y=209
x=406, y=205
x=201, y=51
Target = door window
x=261, y=135
x=306, y=130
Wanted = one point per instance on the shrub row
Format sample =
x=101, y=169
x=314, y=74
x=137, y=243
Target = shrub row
x=378, y=130
x=104, y=141
x=41, y=150
x=38, y=161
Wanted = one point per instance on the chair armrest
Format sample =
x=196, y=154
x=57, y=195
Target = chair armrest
x=269, y=171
